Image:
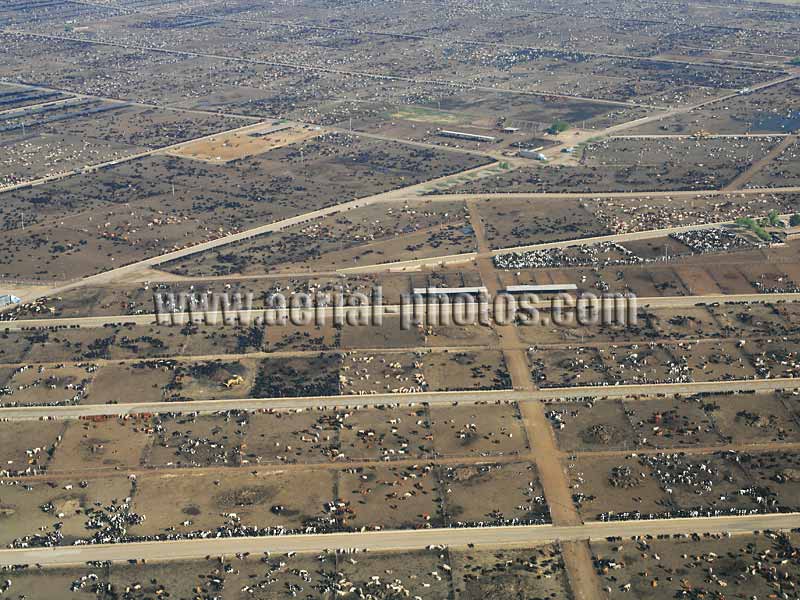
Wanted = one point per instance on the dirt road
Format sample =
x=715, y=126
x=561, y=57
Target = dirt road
x=409, y=539
x=744, y=178
x=544, y=451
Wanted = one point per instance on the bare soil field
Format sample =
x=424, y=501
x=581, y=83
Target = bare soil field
x=520, y=222
x=775, y=358
x=385, y=434
x=135, y=299
x=553, y=70
x=672, y=423
x=392, y=497
x=438, y=335
x=273, y=577
x=131, y=342
x=481, y=430
x=50, y=386
x=683, y=484
x=90, y=447
x=169, y=500
x=29, y=445
x=705, y=420
x=236, y=145
x=493, y=495
x=750, y=320
x=316, y=376
x=781, y=172
x=325, y=374
x=27, y=157
x=212, y=380
x=682, y=323
x=32, y=510
x=660, y=568
x=363, y=373
x=514, y=121
x=653, y=362
x=624, y=215
x=214, y=119
x=752, y=418
x=496, y=574
x=716, y=361
x=636, y=165
x=433, y=574
x=143, y=381
x=114, y=443
x=763, y=270
x=591, y=426
x=161, y=203
x=391, y=335
x=362, y=236
x=66, y=137
x=773, y=110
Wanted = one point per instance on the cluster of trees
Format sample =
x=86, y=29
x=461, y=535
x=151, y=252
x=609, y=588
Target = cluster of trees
x=558, y=127
x=771, y=220
x=755, y=227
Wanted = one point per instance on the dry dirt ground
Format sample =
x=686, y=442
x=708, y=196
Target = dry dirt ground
x=250, y=141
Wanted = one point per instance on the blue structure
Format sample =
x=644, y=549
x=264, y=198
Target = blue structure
x=6, y=299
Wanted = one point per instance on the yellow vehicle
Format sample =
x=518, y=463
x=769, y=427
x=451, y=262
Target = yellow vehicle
x=234, y=381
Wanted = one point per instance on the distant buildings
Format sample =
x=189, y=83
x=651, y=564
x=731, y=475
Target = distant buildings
x=472, y=137
x=450, y=291
x=533, y=154
x=548, y=288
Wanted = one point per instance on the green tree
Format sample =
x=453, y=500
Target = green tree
x=753, y=226
x=558, y=127
x=794, y=220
